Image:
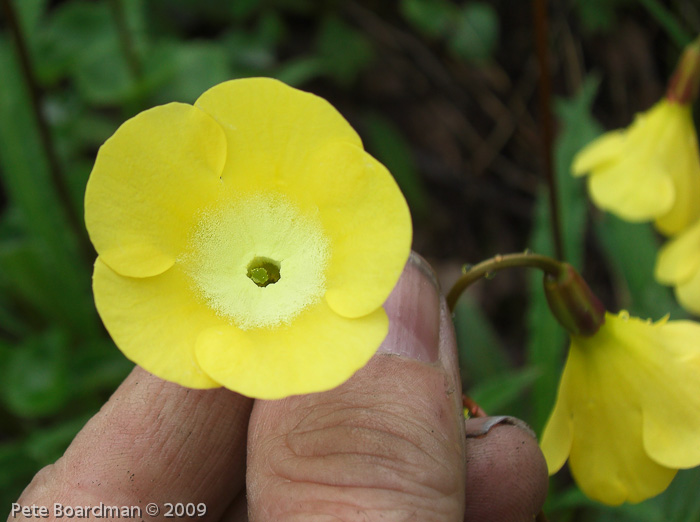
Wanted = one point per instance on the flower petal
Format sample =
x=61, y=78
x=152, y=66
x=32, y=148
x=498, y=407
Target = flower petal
x=600, y=151
x=688, y=293
x=148, y=182
x=608, y=459
x=559, y=431
x=368, y=222
x=271, y=129
x=683, y=166
x=155, y=322
x=318, y=352
x=679, y=259
x=671, y=396
x=634, y=190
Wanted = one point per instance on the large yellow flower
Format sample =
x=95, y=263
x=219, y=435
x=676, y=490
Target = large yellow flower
x=627, y=414
x=649, y=171
x=247, y=241
x=678, y=265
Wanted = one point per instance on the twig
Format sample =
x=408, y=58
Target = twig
x=545, y=109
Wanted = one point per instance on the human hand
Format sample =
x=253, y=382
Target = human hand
x=390, y=444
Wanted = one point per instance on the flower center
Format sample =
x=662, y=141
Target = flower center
x=263, y=271
x=257, y=261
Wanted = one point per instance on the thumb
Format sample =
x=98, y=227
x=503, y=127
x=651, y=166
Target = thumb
x=386, y=445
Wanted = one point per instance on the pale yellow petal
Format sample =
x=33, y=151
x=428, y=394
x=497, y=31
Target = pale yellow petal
x=148, y=182
x=633, y=190
x=688, y=293
x=678, y=260
x=671, y=395
x=155, y=322
x=608, y=458
x=607, y=148
x=558, y=433
x=271, y=129
x=319, y=351
x=683, y=165
x=367, y=221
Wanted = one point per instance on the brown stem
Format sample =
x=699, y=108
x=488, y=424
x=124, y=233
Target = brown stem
x=545, y=109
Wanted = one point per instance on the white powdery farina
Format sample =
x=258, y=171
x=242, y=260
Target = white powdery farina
x=229, y=237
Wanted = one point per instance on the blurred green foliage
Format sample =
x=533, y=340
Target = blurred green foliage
x=98, y=63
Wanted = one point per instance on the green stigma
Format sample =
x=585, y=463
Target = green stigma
x=263, y=271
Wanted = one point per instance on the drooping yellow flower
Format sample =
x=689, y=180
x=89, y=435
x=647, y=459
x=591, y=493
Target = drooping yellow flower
x=627, y=415
x=247, y=241
x=649, y=171
x=678, y=265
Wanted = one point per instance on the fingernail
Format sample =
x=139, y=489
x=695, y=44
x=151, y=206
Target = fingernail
x=480, y=426
x=414, y=313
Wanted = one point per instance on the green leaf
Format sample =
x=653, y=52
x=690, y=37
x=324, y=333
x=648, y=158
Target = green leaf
x=546, y=342
x=345, y=51
x=35, y=380
x=433, y=18
x=631, y=250
x=475, y=34
x=16, y=470
x=185, y=71
x=598, y=15
x=46, y=445
x=499, y=393
x=29, y=188
x=546, y=338
x=298, y=71
x=387, y=144
x=578, y=128
x=481, y=354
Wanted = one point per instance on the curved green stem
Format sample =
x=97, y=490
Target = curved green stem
x=498, y=262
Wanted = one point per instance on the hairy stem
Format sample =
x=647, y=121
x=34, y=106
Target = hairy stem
x=499, y=262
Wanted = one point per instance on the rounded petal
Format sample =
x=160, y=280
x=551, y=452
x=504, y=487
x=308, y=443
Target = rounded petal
x=155, y=322
x=604, y=149
x=319, y=351
x=688, y=293
x=149, y=180
x=271, y=129
x=368, y=222
x=608, y=459
x=634, y=190
x=671, y=396
x=683, y=165
x=679, y=259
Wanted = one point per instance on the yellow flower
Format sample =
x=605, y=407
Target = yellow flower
x=678, y=265
x=247, y=241
x=627, y=415
x=649, y=171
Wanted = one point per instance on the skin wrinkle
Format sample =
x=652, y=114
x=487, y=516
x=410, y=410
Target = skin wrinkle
x=197, y=436
x=422, y=476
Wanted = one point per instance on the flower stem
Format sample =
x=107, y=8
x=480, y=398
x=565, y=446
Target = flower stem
x=541, y=30
x=499, y=262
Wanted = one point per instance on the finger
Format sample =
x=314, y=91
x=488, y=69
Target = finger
x=506, y=471
x=152, y=442
x=388, y=444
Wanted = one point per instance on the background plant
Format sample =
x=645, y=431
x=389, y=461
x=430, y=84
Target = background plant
x=444, y=93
